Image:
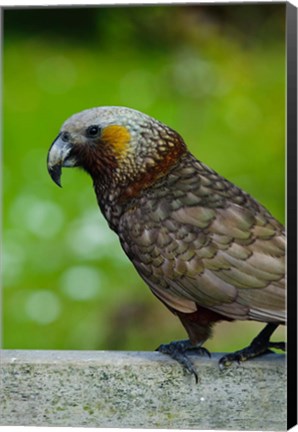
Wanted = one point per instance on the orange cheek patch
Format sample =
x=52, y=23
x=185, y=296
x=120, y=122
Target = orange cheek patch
x=117, y=137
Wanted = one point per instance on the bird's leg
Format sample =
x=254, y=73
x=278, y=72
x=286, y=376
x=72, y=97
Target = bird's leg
x=177, y=350
x=260, y=345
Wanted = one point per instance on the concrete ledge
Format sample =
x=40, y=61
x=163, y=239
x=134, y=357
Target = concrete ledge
x=140, y=390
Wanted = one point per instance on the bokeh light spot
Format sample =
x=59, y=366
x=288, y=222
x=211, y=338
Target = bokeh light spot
x=81, y=283
x=42, y=218
x=43, y=306
x=89, y=237
x=13, y=259
x=194, y=76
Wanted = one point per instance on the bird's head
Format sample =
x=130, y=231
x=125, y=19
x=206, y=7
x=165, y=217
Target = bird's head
x=117, y=146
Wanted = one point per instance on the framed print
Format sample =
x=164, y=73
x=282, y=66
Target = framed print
x=147, y=153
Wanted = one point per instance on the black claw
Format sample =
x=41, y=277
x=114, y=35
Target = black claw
x=260, y=345
x=177, y=350
x=278, y=345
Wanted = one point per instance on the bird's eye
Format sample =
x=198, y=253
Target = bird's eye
x=93, y=131
x=65, y=136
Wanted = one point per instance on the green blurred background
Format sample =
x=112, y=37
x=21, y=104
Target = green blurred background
x=215, y=73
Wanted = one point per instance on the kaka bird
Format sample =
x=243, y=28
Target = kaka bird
x=206, y=249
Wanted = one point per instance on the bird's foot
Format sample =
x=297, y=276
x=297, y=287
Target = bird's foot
x=259, y=346
x=177, y=350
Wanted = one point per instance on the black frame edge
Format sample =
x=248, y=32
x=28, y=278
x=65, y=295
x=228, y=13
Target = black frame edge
x=291, y=106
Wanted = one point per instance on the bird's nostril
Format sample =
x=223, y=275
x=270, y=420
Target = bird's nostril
x=65, y=136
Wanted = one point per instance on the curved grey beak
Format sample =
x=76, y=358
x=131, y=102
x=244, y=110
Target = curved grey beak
x=59, y=156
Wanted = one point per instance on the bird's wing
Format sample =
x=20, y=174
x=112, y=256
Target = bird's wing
x=230, y=260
